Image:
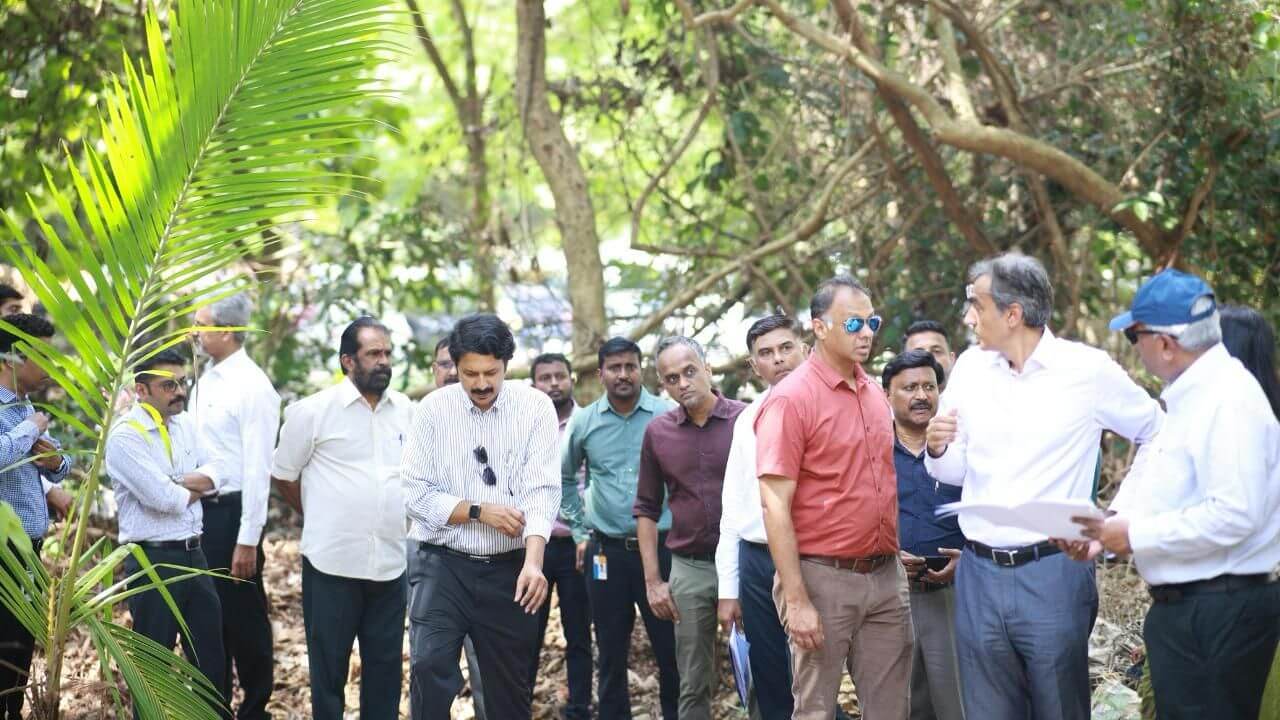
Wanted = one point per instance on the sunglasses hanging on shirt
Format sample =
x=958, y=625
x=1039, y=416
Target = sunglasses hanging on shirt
x=488, y=475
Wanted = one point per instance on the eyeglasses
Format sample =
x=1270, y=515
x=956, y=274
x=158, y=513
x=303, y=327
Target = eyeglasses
x=445, y=365
x=488, y=475
x=170, y=385
x=1131, y=334
x=854, y=324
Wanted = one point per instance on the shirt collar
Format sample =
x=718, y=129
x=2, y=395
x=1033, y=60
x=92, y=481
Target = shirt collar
x=565, y=421
x=228, y=364
x=1205, y=368
x=833, y=379
x=7, y=395
x=348, y=393
x=1044, y=356
x=719, y=410
x=899, y=447
x=646, y=402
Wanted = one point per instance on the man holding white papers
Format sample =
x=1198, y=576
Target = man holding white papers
x=1201, y=516
x=1021, y=419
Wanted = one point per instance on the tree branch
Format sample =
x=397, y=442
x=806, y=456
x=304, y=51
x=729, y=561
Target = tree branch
x=433, y=54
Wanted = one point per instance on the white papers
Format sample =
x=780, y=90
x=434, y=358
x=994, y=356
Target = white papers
x=738, y=649
x=1051, y=518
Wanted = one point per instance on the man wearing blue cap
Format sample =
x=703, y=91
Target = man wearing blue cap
x=1201, y=515
x=1021, y=419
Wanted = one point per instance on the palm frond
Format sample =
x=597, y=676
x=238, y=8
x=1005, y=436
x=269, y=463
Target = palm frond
x=207, y=142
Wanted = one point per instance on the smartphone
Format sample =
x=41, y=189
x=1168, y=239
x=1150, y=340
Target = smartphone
x=936, y=563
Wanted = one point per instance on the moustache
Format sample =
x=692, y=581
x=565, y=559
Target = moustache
x=921, y=405
x=481, y=391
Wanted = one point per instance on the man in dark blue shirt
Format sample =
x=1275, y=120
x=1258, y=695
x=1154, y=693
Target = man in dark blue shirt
x=911, y=381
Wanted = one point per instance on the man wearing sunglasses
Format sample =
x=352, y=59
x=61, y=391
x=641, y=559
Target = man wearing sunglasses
x=824, y=456
x=482, y=492
x=1021, y=419
x=160, y=469
x=338, y=464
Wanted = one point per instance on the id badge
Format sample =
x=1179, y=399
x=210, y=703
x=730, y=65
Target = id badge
x=600, y=567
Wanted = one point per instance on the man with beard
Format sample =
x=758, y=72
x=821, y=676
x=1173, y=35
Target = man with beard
x=742, y=555
x=445, y=372
x=23, y=435
x=159, y=479
x=342, y=447
x=912, y=380
x=238, y=413
x=683, y=457
x=825, y=459
x=552, y=375
x=481, y=490
x=606, y=437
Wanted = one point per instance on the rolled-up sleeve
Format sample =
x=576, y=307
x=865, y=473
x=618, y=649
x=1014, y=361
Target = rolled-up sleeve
x=541, y=494
x=130, y=462
x=651, y=488
x=427, y=500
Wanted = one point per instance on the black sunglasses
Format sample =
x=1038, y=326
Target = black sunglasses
x=488, y=475
x=1131, y=334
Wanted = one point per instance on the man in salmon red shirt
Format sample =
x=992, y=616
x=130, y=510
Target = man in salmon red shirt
x=825, y=461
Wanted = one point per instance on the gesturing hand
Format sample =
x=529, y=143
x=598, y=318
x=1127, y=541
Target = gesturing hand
x=506, y=520
x=661, y=602
x=942, y=431
x=531, y=588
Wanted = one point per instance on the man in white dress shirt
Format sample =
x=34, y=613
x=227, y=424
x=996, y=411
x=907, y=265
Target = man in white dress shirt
x=1201, y=515
x=237, y=412
x=482, y=493
x=158, y=486
x=743, y=563
x=1021, y=419
x=338, y=464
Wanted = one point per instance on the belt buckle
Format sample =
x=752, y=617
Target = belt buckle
x=631, y=544
x=191, y=543
x=1010, y=555
x=480, y=558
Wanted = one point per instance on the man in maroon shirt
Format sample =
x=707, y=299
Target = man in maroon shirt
x=684, y=454
x=825, y=461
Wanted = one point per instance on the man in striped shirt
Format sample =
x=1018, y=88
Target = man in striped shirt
x=482, y=493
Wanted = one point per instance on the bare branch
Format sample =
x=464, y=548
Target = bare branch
x=670, y=162
x=433, y=54
x=957, y=90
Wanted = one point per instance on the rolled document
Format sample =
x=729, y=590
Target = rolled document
x=1051, y=518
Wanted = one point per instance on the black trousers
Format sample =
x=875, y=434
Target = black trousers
x=1210, y=653
x=613, y=609
x=335, y=612
x=457, y=597
x=16, y=648
x=560, y=568
x=198, y=603
x=246, y=628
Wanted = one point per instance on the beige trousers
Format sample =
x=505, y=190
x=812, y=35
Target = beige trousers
x=866, y=626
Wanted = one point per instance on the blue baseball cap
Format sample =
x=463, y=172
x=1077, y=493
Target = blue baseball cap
x=1166, y=299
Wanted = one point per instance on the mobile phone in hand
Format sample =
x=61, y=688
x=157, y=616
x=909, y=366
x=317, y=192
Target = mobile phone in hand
x=936, y=563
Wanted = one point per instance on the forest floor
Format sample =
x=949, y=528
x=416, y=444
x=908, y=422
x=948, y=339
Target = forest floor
x=1112, y=651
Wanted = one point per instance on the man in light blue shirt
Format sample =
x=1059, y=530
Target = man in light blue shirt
x=606, y=436
x=22, y=436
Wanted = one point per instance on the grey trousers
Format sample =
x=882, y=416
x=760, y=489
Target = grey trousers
x=468, y=647
x=694, y=590
x=935, y=677
x=1022, y=636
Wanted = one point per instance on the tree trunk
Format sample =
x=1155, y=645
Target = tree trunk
x=574, y=213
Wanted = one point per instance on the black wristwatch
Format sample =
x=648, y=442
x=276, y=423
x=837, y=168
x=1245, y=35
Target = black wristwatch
x=474, y=513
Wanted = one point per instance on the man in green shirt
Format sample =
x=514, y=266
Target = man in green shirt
x=606, y=436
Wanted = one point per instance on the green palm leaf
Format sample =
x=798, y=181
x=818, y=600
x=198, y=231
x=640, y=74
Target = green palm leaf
x=203, y=144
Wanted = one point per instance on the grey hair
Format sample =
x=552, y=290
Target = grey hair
x=1199, y=335
x=671, y=341
x=1021, y=279
x=822, y=298
x=233, y=311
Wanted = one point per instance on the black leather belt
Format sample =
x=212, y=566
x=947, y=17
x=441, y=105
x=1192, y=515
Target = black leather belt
x=511, y=556
x=1015, y=556
x=1223, y=583
x=191, y=543
x=702, y=557
x=223, y=498
x=630, y=543
x=560, y=539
